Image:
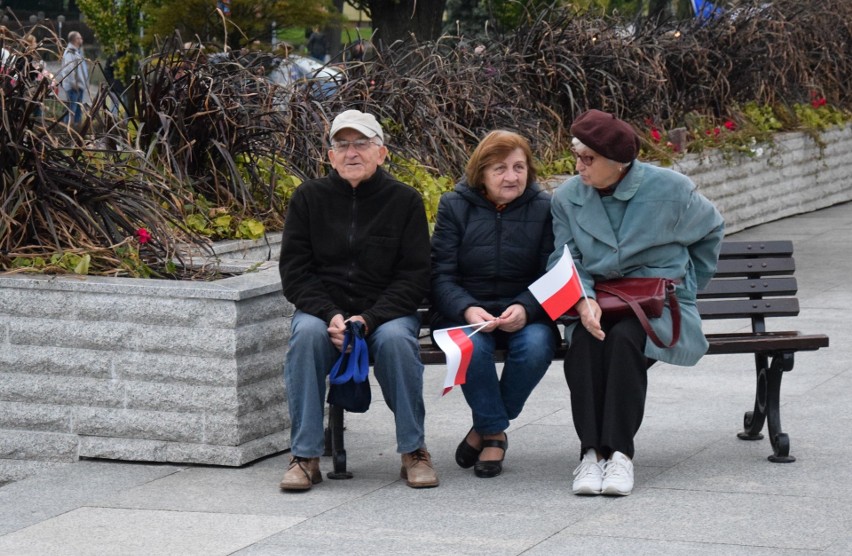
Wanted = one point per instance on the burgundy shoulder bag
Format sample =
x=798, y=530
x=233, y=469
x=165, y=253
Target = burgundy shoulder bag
x=643, y=297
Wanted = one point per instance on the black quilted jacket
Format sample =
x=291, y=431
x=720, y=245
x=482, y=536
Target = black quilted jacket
x=482, y=257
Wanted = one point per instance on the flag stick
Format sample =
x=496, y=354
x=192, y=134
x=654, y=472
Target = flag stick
x=468, y=326
x=582, y=288
x=480, y=327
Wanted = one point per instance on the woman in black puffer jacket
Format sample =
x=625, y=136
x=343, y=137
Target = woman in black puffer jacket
x=492, y=238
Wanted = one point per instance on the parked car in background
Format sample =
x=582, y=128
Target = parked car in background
x=296, y=71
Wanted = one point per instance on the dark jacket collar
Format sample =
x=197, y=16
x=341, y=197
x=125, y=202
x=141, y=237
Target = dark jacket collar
x=367, y=187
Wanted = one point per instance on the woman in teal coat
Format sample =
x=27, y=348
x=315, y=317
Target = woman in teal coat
x=623, y=218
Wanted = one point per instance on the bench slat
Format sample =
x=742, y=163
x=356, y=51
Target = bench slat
x=756, y=248
x=749, y=287
x=748, y=308
x=755, y=267
x=765, y=343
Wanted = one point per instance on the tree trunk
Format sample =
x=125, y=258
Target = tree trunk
x=659, y=9
x=332, y=35
x=398, y=19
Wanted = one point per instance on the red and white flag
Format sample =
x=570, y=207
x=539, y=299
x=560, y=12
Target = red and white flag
x=456, y=345
x=560, y=287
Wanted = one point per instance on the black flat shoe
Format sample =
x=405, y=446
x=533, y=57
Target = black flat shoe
x=466, y=455
x=491, y=468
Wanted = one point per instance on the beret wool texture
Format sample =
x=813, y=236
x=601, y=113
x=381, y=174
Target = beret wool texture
x=606, y=135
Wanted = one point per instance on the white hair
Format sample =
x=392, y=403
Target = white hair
x=576, y=143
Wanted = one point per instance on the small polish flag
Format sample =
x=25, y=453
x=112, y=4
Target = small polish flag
x=456, y=345
x=559, y=288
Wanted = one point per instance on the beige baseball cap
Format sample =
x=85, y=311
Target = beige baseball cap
x=359, y=121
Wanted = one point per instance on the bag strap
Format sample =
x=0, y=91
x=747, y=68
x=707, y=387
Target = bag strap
x=359, y=360
x=353, y=364
x=674, y=307
x=336, y=376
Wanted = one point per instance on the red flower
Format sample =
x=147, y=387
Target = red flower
x=655, y=134
x=717, y=131
x=818, y=101
x=730, y=126
x=143, y=235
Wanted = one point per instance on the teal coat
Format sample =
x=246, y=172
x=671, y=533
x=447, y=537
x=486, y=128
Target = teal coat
x=655, y=225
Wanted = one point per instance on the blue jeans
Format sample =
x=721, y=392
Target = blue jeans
x=396, y=352
x=75, y=105
x=494, y=402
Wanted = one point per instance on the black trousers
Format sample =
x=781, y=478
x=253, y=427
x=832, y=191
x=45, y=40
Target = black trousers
x=608, y=381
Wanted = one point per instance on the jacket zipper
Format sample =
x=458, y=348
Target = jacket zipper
x=351, y=241
x=498, y=233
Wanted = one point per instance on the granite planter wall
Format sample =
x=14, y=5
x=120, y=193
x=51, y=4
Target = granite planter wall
x=168, y=371
x=149, y=370
x=794, y=175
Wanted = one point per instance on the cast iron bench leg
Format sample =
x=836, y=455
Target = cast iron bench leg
x=781, y=363
x=753, y=420
x=767, y=406
x=334, y=433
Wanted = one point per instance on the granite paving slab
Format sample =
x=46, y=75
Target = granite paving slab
x=108, y=531
x=55, y=492
x=690, y=514
x=567, y=543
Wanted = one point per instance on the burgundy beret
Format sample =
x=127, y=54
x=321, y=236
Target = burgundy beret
x=606, y=135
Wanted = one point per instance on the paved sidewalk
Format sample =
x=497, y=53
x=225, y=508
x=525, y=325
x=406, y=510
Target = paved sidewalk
x=699, y=489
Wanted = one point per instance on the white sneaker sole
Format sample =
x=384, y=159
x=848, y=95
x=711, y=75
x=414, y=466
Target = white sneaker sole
x=586, y=491
x=614, y=491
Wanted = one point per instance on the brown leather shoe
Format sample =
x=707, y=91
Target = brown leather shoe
x=302, y=474
x=417, y=469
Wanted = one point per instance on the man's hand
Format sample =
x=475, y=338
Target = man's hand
x=590, y=316
x=513, y=318
x=359, y=318
x=478, y=315
x=336, y=331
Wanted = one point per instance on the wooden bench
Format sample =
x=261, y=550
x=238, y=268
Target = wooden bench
x=754, y=281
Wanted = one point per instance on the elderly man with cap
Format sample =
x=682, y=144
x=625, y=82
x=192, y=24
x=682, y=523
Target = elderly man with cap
x=623, y=218
x=355, y=247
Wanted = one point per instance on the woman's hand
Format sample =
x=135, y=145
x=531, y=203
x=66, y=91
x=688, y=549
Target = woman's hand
x=590, y=316
x=513, y=318
x=478, y=315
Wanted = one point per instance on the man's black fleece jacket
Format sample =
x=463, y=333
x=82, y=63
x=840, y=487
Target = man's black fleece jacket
x=355, y=251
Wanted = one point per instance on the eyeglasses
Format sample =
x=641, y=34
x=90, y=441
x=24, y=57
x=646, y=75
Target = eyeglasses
x=360, y=145
x=584, y=158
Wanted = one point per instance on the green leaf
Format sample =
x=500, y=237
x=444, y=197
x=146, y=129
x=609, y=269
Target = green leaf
x=198, y=223
x=250, y=229
x=223, y=221
x=83, y=266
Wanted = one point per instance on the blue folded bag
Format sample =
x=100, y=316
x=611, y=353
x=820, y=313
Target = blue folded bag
x=349, y=386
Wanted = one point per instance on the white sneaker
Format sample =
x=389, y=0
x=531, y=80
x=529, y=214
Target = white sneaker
x=588, y=475
x=618, y=476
